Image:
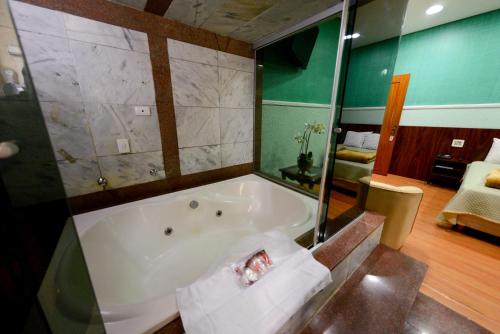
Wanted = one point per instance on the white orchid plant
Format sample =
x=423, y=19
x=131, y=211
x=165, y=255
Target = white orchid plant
x=303, y=137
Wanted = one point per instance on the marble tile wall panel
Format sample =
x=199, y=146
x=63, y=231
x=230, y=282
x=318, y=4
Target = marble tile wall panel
x=192, y=12
x=52, y=67
x=110, y=75
x=197, y=126
x=235, y=62
x=86, y=30
x=79, y=177
x=128, y=169
x=199, y=159
x=37, y=19
x=194, y=84
x=109, y=122
x=236, y=154
x=68, y=130
x=190, y=52
x=236, y=88
x=236, y=125
x=89, y=76
x=201, y=80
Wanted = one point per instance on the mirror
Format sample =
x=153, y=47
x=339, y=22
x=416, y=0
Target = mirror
x=294, y=85
x=372, y=40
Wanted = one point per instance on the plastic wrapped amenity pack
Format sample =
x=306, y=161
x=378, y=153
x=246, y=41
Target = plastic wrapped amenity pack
x=252, y=268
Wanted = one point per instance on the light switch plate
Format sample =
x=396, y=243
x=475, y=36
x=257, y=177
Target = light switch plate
x=142, y=111
x=123, y=145
x=458, y=143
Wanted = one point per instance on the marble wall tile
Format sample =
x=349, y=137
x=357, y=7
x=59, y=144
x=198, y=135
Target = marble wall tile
x=52, y=67
x=37, y=19
x=127, y=169
x=236, y=88
x=110, y=75
x=199, y=159
x=236, y=153
x=109, y=122
x=193, y=84
x=236, y=125
x=68, y=129
x=235, y=62
x=86, y=30
x=79, y=177
x=191, y=52
x=197, y=126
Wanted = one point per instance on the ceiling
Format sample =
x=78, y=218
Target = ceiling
x=246, y=20
x=251, y=20
x=379, y=20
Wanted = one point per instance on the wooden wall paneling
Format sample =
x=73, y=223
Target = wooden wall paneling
x=158, y=7
x=416, y=147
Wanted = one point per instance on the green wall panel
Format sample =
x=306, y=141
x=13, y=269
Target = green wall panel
x=453, y=63
x=285, y=82
x=279, y=125
x=369, y=75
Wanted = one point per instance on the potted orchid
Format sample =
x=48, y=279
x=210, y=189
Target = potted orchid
x=305, y=158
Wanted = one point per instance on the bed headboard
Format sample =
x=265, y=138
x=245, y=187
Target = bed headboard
x=358, y=128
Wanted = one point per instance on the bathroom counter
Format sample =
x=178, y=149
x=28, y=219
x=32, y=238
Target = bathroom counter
x=377, y=298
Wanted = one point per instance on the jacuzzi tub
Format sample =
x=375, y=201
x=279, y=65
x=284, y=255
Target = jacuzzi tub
x=138, y=253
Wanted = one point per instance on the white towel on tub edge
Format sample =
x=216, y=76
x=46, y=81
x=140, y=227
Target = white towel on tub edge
x=217, y=303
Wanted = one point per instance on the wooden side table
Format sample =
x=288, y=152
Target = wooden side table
x=448, y=172
x=311, y=177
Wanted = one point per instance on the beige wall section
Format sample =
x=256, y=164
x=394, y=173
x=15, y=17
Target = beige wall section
x=8, y=38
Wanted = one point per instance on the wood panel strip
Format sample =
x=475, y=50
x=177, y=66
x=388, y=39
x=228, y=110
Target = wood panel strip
x=112, y=13
x=165, y=105
x=158, y=7
x=417, y=146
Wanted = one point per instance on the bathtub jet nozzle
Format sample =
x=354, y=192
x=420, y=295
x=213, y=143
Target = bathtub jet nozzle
x=193, y=204
x=218, y=213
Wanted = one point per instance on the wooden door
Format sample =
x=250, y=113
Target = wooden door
x=389, y=131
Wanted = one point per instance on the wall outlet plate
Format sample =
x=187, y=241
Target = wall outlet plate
x=123, y=145
x=458, y=143
x=142, y=111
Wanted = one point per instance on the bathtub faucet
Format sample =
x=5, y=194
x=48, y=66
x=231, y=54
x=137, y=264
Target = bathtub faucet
x=193, y=204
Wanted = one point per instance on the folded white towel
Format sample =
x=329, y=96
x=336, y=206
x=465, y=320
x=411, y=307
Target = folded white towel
x=217, y=303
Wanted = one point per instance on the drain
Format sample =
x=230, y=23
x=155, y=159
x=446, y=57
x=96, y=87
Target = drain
x=218, y=213
x=169, y=231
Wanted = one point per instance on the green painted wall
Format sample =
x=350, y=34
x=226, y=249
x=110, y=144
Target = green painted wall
x=455, y=63
x=285, y=82
x=369, y=74
x=279, y=125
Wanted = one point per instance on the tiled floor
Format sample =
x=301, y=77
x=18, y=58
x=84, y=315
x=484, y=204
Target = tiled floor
x=464, y=271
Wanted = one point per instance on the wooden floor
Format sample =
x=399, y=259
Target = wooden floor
x=464, y=271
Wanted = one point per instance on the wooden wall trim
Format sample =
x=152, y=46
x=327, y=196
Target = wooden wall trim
x=158, y=7
x=104, y=199
x=416, y=147
x=112, y=13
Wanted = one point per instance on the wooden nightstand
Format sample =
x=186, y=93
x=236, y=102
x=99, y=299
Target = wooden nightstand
x=447, y=172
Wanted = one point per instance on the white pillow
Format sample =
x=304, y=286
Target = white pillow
x=355, y=139
x=494, y=153
x=371, y=141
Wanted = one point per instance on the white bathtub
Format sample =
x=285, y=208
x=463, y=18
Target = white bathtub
x=135, y=266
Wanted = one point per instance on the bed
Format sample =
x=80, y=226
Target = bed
x=347, y=173
x=474, y=205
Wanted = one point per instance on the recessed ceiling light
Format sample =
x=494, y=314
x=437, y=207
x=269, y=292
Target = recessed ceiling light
x=356, y=35
x=434, y=9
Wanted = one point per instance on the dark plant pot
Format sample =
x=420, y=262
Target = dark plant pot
x=305, y=161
